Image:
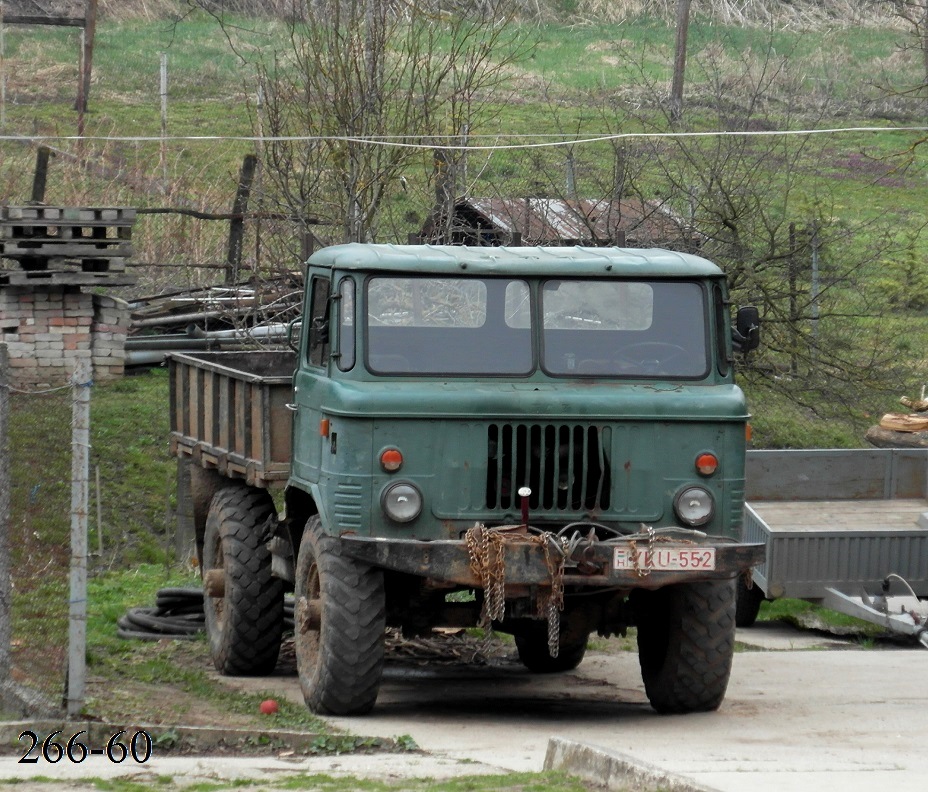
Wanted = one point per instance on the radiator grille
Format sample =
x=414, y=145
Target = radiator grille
x=567, y=466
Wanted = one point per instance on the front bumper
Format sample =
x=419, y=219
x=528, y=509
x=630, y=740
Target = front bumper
x=527, y=563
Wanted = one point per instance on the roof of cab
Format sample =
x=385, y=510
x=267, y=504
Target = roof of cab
x=603, y=262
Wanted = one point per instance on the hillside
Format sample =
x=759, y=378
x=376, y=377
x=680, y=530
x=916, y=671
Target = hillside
x=811, y=153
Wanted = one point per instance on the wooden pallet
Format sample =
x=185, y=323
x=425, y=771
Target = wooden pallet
x=70, y=277
x=44, y=237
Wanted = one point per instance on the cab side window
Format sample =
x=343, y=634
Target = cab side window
x=722, y=329
x=319, y=322
x=346, y=325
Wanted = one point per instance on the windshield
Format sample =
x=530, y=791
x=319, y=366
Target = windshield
x=448, y=326
x=624, y=328
x=470, y=326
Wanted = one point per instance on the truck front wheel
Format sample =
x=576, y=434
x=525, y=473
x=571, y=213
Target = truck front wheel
x=686, y=641
x=243, y=603
x=339, y=624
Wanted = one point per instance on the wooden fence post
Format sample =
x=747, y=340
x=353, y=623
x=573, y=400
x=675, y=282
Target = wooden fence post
x=90, y=33
x=237, y=223
x=41, y=174
x=80, y=500
x=6, y=588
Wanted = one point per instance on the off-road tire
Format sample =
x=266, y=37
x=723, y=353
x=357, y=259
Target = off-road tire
x=686, y=641
x=748, y=603
x=245, y=625
x=340, y=660
x=532, y=646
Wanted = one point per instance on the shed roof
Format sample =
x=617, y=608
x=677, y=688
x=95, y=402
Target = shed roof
x=549, y=221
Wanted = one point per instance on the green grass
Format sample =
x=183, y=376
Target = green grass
x=130, y=430
x=182, y=665
x=511, y=782
x=807, y=615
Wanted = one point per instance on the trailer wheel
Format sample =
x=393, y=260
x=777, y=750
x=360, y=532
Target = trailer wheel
x=749, y=600
x=243, y=603
x=686, y=640
x=532, y=645
x=339, y=624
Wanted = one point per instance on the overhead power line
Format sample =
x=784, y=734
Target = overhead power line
x=431, y=142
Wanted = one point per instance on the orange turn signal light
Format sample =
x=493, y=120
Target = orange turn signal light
x=707, y=464
x=391, y=460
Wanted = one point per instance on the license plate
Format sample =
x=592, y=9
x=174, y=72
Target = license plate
x=673, y=559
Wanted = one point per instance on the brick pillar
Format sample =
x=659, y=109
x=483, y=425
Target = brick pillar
x=47, y=328
x=109, y=330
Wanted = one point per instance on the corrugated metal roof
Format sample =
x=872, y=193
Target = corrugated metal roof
x=543, y=221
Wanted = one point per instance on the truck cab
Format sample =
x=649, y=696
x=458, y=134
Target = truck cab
x=553, y=430
x=433, y=383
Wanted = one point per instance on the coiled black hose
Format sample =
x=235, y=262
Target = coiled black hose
x=178, y=615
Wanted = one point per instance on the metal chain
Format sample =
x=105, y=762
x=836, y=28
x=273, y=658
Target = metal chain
x=554, y=603
x=650, y=540
x=486, y=551
x=487, y=562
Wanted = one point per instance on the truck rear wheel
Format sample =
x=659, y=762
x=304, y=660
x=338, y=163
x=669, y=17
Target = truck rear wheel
x=532, y=646
x=749, y=601
x=339, y=624
x=243, y=603
x=686, y=641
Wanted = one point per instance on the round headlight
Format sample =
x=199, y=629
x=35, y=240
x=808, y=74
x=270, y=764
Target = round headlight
x=401, y=502
x=694, y=506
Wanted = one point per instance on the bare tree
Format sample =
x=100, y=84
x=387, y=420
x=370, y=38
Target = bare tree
x=362, y=87
x=765, y=206
x=913, y=14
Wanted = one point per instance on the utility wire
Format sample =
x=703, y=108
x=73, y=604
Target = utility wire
x=429, y=142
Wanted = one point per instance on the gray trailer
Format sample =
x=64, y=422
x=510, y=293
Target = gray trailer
x=847, y=529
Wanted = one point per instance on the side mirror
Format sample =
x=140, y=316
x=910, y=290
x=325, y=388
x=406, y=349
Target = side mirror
x=293, y=328
x=745, y=335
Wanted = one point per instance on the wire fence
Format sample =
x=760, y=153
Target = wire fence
x=41, y=600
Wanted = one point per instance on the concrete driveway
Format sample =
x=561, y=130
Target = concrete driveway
x=803, y=712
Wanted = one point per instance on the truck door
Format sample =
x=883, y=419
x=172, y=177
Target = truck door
x=309, y=380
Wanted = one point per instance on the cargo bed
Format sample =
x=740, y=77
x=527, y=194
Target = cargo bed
x=841, y=527
x=229, y=413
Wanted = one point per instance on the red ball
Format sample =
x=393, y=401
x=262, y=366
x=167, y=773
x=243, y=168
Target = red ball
x=269, y=707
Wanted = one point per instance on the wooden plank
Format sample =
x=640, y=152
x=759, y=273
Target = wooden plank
x=259, y=436
x=224, y=411
x=36, y=265
x=49, y=21
x=91, y=248
x=841, y=516
x=47, y=232
x=239, y=438
x=65, y=278
x=67, y=215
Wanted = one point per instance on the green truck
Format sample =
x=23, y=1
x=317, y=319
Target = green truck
x=544, y=441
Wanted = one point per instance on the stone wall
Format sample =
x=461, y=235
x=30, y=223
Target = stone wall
x=47, y=328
